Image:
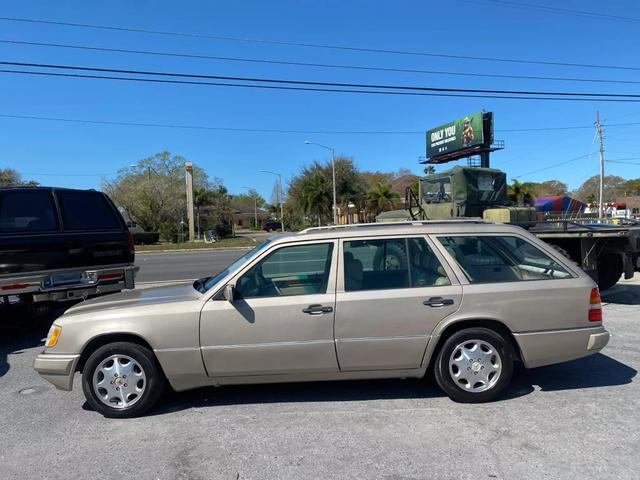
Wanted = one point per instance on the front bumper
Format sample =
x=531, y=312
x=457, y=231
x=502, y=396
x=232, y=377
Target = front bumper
x=57, y=369
x=548, y=347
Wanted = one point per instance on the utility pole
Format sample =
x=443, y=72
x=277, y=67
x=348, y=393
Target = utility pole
x=599, y=130
x=333, y=170
x=188, y=168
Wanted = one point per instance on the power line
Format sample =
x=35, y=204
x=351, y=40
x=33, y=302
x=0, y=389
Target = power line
x=202, y=127
x=555, y=165
x=567, y=11
x=316, y=65
x=313, y=45
x=69, y=174
x=316, y=89
x=623, y=162
x=272, y=130
x=403, y=88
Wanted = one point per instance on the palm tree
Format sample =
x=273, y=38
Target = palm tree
x=316, y=195
x=519, y=193
x=381, y=197
x=429, y=170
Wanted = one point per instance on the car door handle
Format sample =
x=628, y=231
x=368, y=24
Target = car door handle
x=438, y=302
x=317, y=310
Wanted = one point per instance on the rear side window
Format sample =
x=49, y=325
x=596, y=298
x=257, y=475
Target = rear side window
x=27, y=212
x=489, y=259
x=87, y=211
x=393, y=263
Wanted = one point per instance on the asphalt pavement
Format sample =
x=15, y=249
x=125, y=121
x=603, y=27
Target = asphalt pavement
x=182, y=266
x=573, y=420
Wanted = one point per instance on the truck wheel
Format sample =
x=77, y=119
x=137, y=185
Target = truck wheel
x=609, y=271
x=122, y=380
x=475, y=365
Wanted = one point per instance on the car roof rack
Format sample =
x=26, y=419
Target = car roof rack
x=356, y=226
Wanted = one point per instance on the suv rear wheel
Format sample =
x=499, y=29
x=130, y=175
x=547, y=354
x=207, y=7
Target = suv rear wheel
x=474, y=365
x=122, y=380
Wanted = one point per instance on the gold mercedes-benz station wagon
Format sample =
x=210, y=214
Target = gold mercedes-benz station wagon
x=466, y=298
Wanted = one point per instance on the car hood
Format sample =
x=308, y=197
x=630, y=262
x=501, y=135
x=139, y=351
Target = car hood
x=138, y=297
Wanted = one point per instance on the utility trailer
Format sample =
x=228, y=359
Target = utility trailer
x=604, y=249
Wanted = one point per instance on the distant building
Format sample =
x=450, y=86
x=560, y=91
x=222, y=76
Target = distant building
x=632, y=203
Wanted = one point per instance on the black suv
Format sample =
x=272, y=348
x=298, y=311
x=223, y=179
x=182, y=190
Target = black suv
x=61, y=244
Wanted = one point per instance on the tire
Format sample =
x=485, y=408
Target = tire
x=471, y=384
x=609, y=271
x=128, y=361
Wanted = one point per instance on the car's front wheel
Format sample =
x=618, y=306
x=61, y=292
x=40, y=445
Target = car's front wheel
x=474, y=365
x=122, y=380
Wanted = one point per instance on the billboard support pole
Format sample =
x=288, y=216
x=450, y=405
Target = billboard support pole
x=484, y=159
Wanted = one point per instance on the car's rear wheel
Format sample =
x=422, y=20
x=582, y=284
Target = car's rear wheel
x=474, y=365
x=122, y=380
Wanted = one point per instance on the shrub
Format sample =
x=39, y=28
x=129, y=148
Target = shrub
x=146, y=238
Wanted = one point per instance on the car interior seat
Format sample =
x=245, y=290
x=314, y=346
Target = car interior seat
x=353, y=272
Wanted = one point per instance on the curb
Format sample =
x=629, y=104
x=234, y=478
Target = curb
x=186, y=250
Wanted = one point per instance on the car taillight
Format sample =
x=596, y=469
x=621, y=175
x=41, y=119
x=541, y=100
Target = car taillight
x=132, y=248
x=595, y=306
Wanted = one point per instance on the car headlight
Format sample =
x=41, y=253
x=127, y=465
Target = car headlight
x=53, y=335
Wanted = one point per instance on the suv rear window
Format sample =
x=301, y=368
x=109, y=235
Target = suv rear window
x=87, y=211
x=27, y=212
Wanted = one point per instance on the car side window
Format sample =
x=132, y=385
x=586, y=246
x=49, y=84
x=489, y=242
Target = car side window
x=375, y=264
x=490, y=258
x=294, y=270
x=27, y=212
x=426, y=269
x=87, y=211
x=379, y=264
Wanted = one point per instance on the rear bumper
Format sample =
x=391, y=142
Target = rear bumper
x=548, y=347
x=57, y=369
x=90, y=281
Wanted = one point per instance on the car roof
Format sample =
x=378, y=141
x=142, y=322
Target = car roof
x=41, y=187
x=398, y=228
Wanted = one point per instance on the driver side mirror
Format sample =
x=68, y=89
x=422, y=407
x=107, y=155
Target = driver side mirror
x=229, y=293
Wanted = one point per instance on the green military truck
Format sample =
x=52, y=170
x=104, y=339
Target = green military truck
x=603, y=249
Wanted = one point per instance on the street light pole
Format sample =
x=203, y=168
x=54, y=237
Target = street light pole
x=333, y=168
x=279, y=196
x=255, y=205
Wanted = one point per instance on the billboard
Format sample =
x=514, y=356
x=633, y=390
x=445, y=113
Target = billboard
x=460, y=134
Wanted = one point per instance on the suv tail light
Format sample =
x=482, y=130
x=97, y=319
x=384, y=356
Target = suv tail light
x=132, y=248
x=595, y=306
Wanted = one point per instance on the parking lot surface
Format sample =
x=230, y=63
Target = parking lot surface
x=573, y=420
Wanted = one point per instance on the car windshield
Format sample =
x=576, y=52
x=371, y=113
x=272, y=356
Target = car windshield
x=205, y=284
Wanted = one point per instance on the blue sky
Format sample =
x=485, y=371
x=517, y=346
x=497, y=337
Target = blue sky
x=77, y=155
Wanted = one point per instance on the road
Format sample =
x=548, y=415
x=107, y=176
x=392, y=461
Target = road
x=188, y=265
x=573, y=420
x=179, y=266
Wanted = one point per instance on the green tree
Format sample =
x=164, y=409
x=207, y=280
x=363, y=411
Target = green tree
x=550, y=188
x=429, y=170
x=152, y=192
x=520, y=193
x=613, y=187
x=631, y=187
x=381, y=197
x=316, y=195
x=11, y=178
